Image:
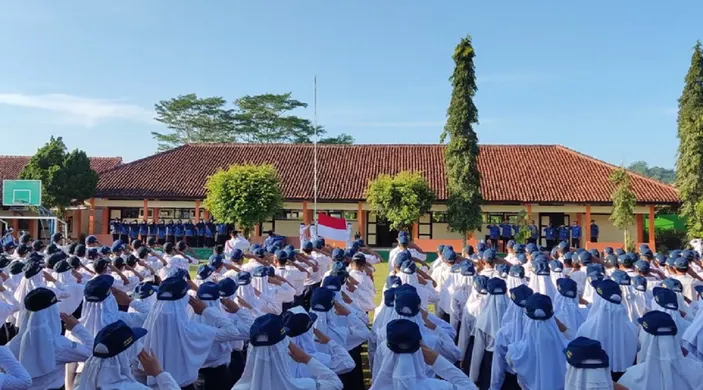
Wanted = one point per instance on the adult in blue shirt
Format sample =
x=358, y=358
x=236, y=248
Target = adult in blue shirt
x=133, y=230
x=493, y=235
x=222, y=233
x=550, y=235
x=595, y=231
x=178, y=230
x=189, y=232
x=124, y=231
x=151, y=228
x=171, y=232
x=563, y=233
x=506, y=233
x=143, y=230
x=200, y=231
x=115, y=227
x=534, y=232
x=209, y=234
x=575, y=235
x=161, y=233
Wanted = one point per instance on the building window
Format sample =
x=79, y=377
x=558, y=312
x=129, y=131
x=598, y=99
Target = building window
x=290, y=215
x=130, y=213
x=439, y=217
x=348, y=215
x=498, y=218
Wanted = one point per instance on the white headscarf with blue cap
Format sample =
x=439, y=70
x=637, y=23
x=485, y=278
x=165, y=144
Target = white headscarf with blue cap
x=538, y=359
x=306, y=342
x=36, y=344
x=567, y=310
x=114, y=373
x=692, y=338
x=661, y=365
x=634, y=302
x=587, y=378
x=543, y=284
x=488, y=323
x=403, y=371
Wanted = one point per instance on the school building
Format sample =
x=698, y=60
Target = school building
x=552, y=183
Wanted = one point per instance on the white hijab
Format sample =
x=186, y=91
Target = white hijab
x=328, y=323
x=180, y=346
x=74, y=291
x=113, y=373
x=428, y=337
x=692, y=339
x=514, y=322
x=514, y=281
x=25, y=286
x=587, y=378
x=403, y=371
x=538, y=358
x=97, y=315
x=247, y=293
x=634, y=302
x=217, y=350
x=567, y=310
x=306, y=342
x=269, y=368
x=608, y=323
x=543, y=284
x=412, y=280
x=490, y=319
x=261, y=283
x=380, y=318
x=662, y=366
x=150, y=301
x=682, y=324
x=35, y=344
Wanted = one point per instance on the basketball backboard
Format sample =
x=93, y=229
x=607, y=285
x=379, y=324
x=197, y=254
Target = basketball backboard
x=21, y=192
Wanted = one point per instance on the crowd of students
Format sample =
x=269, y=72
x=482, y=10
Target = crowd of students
x=129, y=316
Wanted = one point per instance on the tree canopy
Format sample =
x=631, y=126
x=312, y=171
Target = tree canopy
x=244, y=195
x=689, y=165
x=624, y=201
x=266, y=118
x=461, y=154
x=65, y=176
x=664, y=175
x=401, y=199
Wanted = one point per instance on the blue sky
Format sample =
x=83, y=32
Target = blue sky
x=601, y=77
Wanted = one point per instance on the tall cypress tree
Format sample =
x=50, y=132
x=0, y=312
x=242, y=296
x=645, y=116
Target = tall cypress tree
x=689, y=166
x=461, y=153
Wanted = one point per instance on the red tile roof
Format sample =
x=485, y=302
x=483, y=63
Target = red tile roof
x=11, y=166
x=509, y=173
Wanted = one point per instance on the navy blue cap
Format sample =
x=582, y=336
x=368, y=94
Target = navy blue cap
x=117, y=246
x=267, y=330
x=520, y=294
x=236, y=255
x=104, y=250
x=608, y=250
x=440, y=249
x=539, y=307
x=585, y=353
x=5, y=261
x=640, y=283
x=647, y=253
x=260, y=271
x=393, y=281
x=673, y=284
x=408, y=267
x=642, y=266
x=619, y=251
x=406, y=288
x=681, y=264
x=489, y=256
x=595, y=271
x=540, y=267
x=307, y=246
x=496, y=286
x=215, y=262
x=8, y=246
x=333, y=283
x=671, y=261
x=289, y=247
x=98, y=288
x=403, y=336
x=611, y=260
x=518, y=248
x=665, y=298
x=16, y=267
x=621, y=278
x=131, y=260
x=360, y=243
x=56, y=237
x=556, y=266
x=144, y=290
x=625, y=260
x=517, y=271
x=699, y=290
x=521, y=258
x=227, y=287
x=37, y=245
x=503, y=270
x=609, y=290
x=204, y=272
x=62, y=266
x=401, y=257
x=259, y=252
x=209, y=291
x=585, y=258
x=322, y=299
x=31, y=269
x=531, y=247
x=52, y=248
x=661, y=258
x=39, y=299
x=567, y=287
x=91, y=240
x=118, y=262
x=481, y=284
x=403, y=239
x=22, y=250
x=319, y=243
x=181, y=245
x=510, y=244
x=281, y=255
x=481, y=246
x=92, y=253
x=658, y=323
x=136, y=244
x=172, y=289
x=337, y=254
x=25, y=238
x=115, y=338
x=687, y=254
x=407, y=304
x=466, y=268
x=243, y=278
x=298, y=323
x=594, y=252
x=455, y=268
x=389, y=297
x=290, y=254
x=449, y=256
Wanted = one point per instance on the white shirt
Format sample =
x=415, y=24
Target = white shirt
x=294, y=276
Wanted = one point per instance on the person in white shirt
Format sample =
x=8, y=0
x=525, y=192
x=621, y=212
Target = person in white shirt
x=269, y=360
x=236, y=241
x=256, y=259
x=286, y=267
x=488, y=258
x=272, y=287
x=39, y=346
x=488, y=323
x=14, y=375
x=365, y=291
x=682, y=274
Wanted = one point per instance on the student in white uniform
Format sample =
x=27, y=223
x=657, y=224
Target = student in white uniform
x=406, y=360
x=566, y=305
x=69, y=284
x=512, y=329
x=365, y=289
x=257, y=259
x=474, y=305
x=285, y=267
x=538, y=359
x=14, y=376
x=262, y=303
x=269, y=360
x=488, y=323
x=665, y=300
x=608, y=323
x=486, y=263
x=661, y=363
x=681, y=273
x=39, y=346
x=115, y=348
x=541, y=281
x=587, y=367
x=271, y=288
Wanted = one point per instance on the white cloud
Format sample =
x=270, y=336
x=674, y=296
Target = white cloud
x=84, y=111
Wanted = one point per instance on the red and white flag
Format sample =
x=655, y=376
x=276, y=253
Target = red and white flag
x=332, y=228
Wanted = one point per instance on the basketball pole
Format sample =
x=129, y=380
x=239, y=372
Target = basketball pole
x=314, y=105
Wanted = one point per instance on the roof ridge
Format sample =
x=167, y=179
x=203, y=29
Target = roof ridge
x=613, y=166
x=124, y=164
x=251, y=144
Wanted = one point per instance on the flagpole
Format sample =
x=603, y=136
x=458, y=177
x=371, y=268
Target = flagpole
x=314, y=84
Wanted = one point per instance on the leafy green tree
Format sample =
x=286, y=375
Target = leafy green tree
x=523, y=223
x=343, y=138
x=689, y=166
x=461, y=154
x=401, y=199
x=194, y=120
x=265, y=119
x=244, y=195
x=663, y=175
x=624, y=201
x=65, y=177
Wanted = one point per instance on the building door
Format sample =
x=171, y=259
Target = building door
x=556, y=219
x=385, y=236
